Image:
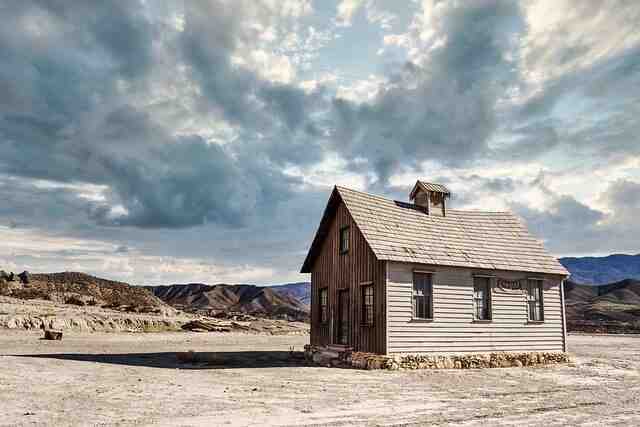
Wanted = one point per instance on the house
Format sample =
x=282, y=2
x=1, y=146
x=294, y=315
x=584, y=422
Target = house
x=392, y=277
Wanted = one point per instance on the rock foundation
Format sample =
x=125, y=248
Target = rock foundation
x=334, y=356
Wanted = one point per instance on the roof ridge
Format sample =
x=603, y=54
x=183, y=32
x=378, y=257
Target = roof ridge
x=340, y=187
x=480, y=211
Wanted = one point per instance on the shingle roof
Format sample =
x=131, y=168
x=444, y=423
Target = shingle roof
x=397, y=231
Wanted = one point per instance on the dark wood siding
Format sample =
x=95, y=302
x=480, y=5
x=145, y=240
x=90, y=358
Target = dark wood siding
x=348, y=271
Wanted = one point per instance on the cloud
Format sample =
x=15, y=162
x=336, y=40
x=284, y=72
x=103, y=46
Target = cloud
x=443, y=108
x=346, y=10
x=623, y=197
x=571, y=227
x=97, y=134
x=213, y=130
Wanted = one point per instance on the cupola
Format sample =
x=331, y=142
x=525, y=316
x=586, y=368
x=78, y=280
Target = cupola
x=431, y=197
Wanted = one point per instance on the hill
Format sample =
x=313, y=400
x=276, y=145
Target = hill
x=220, y=299
x=300, y=290
x=614, y=307
x=603, y=270
x=83, y=289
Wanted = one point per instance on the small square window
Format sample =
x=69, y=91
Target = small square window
x=344, y=240
x=367, y=305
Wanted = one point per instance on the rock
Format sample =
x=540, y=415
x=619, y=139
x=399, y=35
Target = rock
x=24, y=277
x=475, y=361
x=335, y=363
x=448, y=363
x=210, y=326
x=50, y=334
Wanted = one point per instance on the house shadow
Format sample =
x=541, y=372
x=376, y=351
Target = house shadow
x=189, y=360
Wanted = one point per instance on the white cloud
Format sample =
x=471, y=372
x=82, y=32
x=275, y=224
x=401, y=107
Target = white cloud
x=360, y=91
x=325, y=79
x=377, y=15
x=40, y=252
x=346, y=11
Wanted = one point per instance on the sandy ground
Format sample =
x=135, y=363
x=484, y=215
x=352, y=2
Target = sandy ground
x=136, y=379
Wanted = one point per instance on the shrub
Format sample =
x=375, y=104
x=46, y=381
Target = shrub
x=73, y=300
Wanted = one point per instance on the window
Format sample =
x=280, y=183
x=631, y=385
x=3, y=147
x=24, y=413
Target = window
x=534, y=300
x=481, y=298
x=367, y=304
x=324, y=294
x=344, y=240
x=422, y=298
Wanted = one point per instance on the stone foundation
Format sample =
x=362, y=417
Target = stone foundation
x=336, y=356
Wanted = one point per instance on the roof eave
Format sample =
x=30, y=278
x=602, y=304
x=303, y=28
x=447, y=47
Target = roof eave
x=321, y=231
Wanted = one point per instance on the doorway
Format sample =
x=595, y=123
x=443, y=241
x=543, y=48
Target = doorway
x=342, y=330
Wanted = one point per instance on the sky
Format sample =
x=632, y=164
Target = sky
x=161, y=142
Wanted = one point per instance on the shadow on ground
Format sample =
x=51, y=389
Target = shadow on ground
x=189, y=360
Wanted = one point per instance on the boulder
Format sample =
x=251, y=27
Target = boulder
x=24, y=277
x=50, y=334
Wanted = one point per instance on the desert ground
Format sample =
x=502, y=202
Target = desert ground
x=138, y=379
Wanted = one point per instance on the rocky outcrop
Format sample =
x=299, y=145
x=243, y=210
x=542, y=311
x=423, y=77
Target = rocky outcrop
x=89, y=323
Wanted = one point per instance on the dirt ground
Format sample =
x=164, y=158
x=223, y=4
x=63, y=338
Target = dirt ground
x=137, y=379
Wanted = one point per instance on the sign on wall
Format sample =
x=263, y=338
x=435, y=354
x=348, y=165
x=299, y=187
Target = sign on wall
x=517, y=284
x=511, y=284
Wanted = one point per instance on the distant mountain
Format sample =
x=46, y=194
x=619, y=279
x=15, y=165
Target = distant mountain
x=250, y=299
x=603, y=270
x=300, y=290
x=614, y=307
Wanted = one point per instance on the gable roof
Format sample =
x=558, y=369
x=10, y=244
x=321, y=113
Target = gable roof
x=428, y=186
x=398, y=231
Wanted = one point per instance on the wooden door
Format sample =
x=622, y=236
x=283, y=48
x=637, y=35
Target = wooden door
x=343, y=329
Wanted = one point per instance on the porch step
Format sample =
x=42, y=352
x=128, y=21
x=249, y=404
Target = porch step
x=339, y=347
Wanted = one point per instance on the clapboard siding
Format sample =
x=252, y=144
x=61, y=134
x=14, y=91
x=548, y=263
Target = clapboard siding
x=336, y=272
x=453, y=330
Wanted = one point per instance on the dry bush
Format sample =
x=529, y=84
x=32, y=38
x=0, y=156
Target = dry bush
x=30, y=293
x=74, y=300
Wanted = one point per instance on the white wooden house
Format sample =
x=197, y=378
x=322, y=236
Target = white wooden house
x=393, y=277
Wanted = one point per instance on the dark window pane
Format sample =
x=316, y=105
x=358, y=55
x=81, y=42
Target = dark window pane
x=367, y=304
x=534, y=299
x=323, y=305
x=344, y=239
x=481, y=298
x=422, y=295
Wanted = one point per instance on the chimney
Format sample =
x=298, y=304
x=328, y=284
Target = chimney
x=431, y=197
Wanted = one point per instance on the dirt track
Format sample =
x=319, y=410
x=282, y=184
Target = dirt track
x=136, y=379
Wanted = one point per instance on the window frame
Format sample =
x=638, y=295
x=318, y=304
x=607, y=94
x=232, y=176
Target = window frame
x=341, y=244
x=532, y=298
x=428, y=299
x=367, y=310
x=324, y=305
x=487, y=299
